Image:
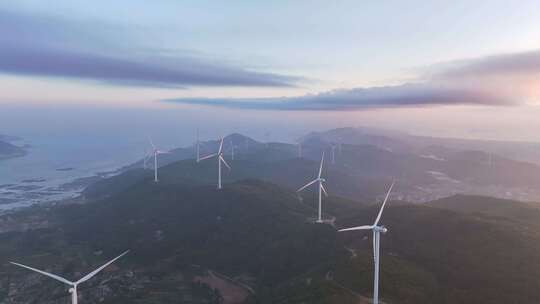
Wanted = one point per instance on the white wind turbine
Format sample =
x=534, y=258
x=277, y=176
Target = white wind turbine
x=145, y=159
x=156, y=152
x=376, y=244
x=232, y=150
x=73, y=289
x=320, y=180
x=198, y=147
x=220, y=158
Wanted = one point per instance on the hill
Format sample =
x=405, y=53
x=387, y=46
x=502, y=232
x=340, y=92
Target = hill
x=353, y=170
x=492, y=208
x=463, y=257
x=260, y=235
x=251, y=229
x=8, y=150
x=289, y=173
x=430, y=169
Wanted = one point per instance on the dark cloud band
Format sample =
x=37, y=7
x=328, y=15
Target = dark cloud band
x=110, y=69
x=40, y=46
x=360, y=98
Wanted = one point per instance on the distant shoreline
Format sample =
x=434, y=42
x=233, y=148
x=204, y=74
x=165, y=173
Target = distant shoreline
x=15, y=155
x=10, y=150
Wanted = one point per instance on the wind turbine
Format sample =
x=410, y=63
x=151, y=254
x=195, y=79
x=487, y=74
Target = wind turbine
x=220, y=158
x=267, y=135
x=232, y=150
x=156, y=152
x=320, y=180
x=333, y=154
x=73, y=289
x=198, y=146
x=376, y=244
x=145, y=159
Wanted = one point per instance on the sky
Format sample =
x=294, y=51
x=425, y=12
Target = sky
x=460, y=68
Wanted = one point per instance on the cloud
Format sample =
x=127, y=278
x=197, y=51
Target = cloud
x=508, y=79
x=54, y=47
x=505, y=65
x=114, y=70
x=359, y=98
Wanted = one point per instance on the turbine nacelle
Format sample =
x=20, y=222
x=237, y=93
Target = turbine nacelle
x=381, y=229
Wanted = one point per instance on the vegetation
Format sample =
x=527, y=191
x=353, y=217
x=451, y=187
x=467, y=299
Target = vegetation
x=256, y=230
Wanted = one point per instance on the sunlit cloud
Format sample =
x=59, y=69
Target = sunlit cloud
x=515, y=64
x=509, y=79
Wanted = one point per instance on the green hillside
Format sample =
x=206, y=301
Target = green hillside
x=261, y=235
x=494, y=209
x=289, y=173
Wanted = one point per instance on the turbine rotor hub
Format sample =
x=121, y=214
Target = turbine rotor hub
x=381, y=229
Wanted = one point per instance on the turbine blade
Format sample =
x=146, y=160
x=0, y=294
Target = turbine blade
x=224, y=162
x=356, y=228
x=324, y=190
x=147, y=157
x=208, y=156
x=93, y=273
x=307, y=185
x=320, y=168
x=384, y=203
x=50, y=275
x=151, y=142
x=220, y=146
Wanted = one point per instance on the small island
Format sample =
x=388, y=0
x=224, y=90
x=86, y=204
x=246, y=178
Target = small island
x=8, y=150
x=65, y=169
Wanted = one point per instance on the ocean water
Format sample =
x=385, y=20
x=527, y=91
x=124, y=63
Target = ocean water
x=52, y=162
x=70, y=142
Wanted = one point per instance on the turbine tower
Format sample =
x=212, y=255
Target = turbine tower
x=73, y=289
x=320, y=180
x=156, y=152
x=376, y=244
x=232, y=150
x=220, y=158
x=198, y=146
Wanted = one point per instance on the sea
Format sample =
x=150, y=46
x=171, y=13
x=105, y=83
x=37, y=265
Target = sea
x=69, y=145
